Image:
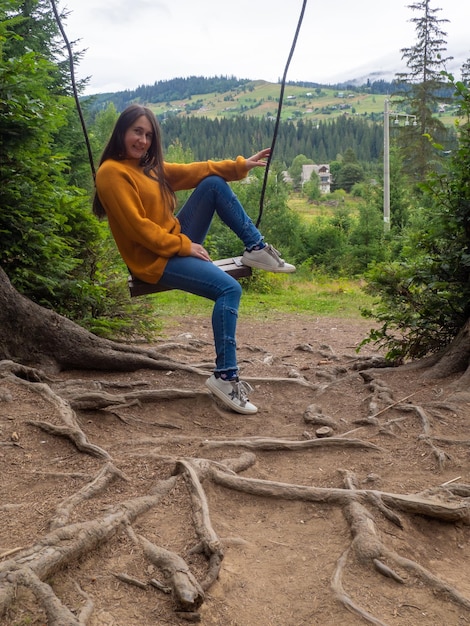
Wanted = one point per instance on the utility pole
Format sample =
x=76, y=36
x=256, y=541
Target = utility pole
x=397, y=115
x=386, y=166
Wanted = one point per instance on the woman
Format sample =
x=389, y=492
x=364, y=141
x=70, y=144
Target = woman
x=135, y=190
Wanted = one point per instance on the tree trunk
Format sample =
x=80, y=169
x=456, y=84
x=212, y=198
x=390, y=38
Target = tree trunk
x=35, y=336
x=455, y=358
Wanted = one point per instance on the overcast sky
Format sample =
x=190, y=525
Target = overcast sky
x=128, y=43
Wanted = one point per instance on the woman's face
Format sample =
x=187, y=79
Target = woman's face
x=138, y=138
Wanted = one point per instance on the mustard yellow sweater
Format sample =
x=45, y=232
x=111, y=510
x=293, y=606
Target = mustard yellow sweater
x=145, y=229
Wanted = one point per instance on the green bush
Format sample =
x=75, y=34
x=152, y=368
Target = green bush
x=424, y=297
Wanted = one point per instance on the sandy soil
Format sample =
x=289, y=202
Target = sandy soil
x=280, y=555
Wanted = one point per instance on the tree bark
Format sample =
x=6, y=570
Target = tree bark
x=455, y=357
x=35, y=336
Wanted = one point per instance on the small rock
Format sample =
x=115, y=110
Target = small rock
x=324, y=431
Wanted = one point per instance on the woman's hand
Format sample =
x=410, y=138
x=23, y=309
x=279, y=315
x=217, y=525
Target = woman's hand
x=199, y=252
x=258, y=159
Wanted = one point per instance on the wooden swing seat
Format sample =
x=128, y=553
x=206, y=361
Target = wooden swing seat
x=232, y=266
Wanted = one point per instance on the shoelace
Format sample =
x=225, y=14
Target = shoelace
x=274, y=253
x=241, y=389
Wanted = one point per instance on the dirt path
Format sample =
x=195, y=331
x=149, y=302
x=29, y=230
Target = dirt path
x=280, y=555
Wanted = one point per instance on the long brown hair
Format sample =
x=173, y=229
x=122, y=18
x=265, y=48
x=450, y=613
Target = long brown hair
x=152, y=161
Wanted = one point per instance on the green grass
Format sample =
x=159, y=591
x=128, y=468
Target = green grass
x=332, y=298
x=325, y=207
x=324, y=297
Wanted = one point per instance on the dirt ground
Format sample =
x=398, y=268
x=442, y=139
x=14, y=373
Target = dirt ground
x=282, y=557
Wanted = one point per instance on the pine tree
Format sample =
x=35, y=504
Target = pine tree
x=422, y=88
x=425, y=295
x=465, y=72
x=47, y=233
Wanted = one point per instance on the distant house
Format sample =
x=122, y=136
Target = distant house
x=323, y=172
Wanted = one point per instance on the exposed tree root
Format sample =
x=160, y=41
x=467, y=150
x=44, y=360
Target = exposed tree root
x=70, y=427
x=449, y=509
x=57, y=614
x=81, y=400
x=191, y=345
x=32, y=566
x=295, y=381
x=342, y=596
x=210, y=543
x=101, y=400
x=65, y=543
x=130, y=580
x=187, y=592
x=440, y=455
x=75, y=435
x=266, y=443
x=368, y=547
x=102, y=480
x=381, y=393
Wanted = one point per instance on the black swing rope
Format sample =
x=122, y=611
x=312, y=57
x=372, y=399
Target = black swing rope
x=74, y=86
x=279, y=108
x=278, y=117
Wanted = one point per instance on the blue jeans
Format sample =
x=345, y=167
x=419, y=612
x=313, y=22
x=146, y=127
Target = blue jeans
x=202, y=278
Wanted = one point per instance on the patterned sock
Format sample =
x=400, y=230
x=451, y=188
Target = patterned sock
x=229, y=375
x=259, y=246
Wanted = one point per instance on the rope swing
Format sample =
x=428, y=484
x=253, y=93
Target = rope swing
x=279, y=109
x=74, y=86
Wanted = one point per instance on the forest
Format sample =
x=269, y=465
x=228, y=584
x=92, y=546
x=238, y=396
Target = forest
x=322, y=142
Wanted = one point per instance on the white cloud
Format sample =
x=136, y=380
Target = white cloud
x=134, y=42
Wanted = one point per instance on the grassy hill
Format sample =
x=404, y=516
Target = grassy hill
x=224, y=97
x=260, y=99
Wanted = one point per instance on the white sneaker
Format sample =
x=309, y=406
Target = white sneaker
x=269, y=259
x=233, y=393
